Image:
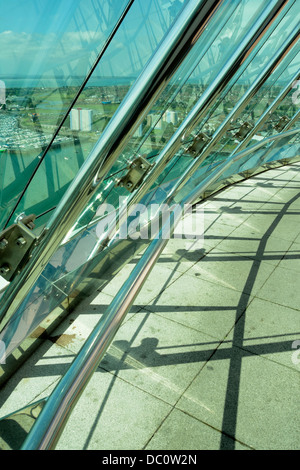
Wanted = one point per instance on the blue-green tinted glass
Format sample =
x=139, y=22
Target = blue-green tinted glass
x=46, y=49
x=78, y=255
x=133, y=44
x=185, y=89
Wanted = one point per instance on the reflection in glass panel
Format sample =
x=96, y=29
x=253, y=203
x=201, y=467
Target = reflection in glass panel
x=133, y=44
x=193, y=77
x=43, y=61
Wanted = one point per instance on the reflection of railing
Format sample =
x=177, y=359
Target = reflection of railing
x=58, y=406
x=195, y=115
x=243, y=153
x=262, y=120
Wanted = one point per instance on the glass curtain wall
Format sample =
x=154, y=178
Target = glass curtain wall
x=44, y=62
x=53, y=102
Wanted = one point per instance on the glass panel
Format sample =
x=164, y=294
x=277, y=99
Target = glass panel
x=137, y=38
x=46, y=50
x=256, y=106
x=131, y=48
x=197, y=71
x=241, y=82
x=287, y=108
x=235, y=92
x=262, y=99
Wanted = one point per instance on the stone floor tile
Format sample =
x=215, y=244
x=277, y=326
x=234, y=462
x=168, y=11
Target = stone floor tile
x=112, y=414
x=232, y=271
x=248, y=398
x=158, y=355
x=271, y=330
x=181, y=431
x=281, y=288
x=291, y=259
x=201, y=305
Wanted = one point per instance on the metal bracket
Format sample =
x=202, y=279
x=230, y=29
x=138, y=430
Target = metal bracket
x=198, y=144
x=16, y=243
x=243, y=131
x=135, y=175
x=280, y=125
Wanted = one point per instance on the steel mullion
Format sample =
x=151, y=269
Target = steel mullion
x=190, y=122
x=273, y=106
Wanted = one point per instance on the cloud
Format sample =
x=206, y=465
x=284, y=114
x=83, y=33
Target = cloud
x=20, y=52
x=37, y=54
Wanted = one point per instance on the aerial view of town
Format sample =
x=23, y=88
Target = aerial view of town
x=30, y=117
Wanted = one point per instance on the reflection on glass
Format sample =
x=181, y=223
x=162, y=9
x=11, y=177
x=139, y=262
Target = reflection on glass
x=46, y=50
x=197, y=71
x=132, y=46
x=31, y=108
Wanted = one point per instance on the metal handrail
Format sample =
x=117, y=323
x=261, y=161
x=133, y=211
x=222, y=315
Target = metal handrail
x=58, y=407
x=286, y=128
x=272, y=138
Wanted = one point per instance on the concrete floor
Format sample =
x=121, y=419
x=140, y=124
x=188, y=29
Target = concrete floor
x=207, y=357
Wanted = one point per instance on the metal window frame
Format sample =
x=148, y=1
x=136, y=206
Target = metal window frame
x=181, y=38
x=195, y=115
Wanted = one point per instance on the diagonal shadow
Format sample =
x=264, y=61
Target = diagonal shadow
x=233, y=383
x=147, y=354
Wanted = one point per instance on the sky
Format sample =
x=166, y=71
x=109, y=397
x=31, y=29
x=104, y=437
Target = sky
x=35, y=35
x=38, y=36
x=51, y=38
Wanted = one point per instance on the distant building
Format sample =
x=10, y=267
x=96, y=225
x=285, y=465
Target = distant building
x=2, y=92
x=86, y=120
x=139, y=131
x=81, y=119
x=170, y=117
x=75, y=119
